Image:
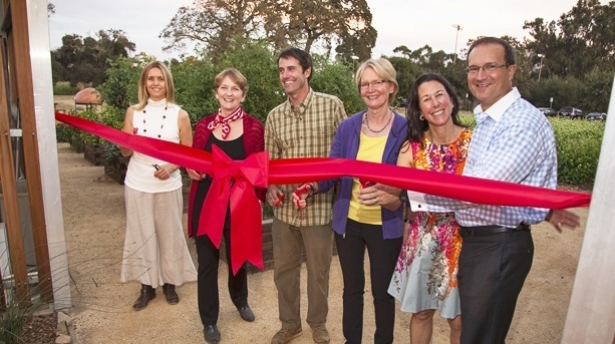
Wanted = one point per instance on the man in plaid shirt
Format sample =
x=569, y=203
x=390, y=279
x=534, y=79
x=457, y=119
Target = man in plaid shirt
x=301, y=127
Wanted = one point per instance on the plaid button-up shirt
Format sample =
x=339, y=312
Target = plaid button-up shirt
x=512, y=142
x=304, y=131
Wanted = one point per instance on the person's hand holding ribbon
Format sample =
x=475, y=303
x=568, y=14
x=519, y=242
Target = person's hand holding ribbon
x=385, y=196
x=275, y=196
x=301, y=194
x=195, y=175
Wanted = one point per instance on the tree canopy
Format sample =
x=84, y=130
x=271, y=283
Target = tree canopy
x=210, y=25
x=84, y=60
x=570, y=60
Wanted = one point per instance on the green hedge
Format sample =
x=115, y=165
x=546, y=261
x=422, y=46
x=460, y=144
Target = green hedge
x=63, y=88
x=578, y=148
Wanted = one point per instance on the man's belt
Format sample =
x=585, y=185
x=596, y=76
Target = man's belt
x=490, y=230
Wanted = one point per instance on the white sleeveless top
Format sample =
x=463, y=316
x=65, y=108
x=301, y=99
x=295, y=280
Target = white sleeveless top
x=158, y=120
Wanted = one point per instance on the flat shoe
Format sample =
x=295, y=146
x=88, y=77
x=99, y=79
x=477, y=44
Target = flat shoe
x=246, y=313
x=212, y=334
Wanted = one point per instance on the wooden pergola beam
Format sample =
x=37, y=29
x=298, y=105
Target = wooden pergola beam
x=25, y=92
x=11, y=205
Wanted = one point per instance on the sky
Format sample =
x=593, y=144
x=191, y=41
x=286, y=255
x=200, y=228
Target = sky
x=413, y=23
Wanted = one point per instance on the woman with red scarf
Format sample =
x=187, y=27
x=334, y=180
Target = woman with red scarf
x=239, y=135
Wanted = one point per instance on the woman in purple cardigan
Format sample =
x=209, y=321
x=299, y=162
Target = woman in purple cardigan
x=239, y=135
x=368, y=216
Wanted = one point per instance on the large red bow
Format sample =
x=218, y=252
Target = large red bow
x=235, y=180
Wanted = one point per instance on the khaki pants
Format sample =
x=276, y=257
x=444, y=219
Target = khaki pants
x=287, y=242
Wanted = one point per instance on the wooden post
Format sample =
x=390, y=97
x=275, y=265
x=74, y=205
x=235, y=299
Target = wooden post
x=9, y=197
x=591, y=314
x=25, y=91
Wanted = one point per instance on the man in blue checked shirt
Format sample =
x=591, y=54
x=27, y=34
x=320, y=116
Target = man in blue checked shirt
x=512, y=142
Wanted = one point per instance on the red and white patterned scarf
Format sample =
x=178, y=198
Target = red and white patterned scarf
x=224, y=121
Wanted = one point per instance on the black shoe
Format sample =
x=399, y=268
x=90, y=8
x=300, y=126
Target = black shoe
x=246, y=313
x=147, y=294
x=170, y=294
x=212, y=335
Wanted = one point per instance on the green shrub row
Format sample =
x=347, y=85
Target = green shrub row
x=64, y=88
x=578, y=148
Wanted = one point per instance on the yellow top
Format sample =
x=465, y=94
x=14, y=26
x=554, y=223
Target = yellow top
x=370, y=149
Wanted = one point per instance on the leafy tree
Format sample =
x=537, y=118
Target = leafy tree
x=84, y=60
x=596, y=90
x=564, y=91
x=210, y=25
x=335, y=78
x=407, y=71
x=587, y=28
x=194, y=80
x=121, y=88
x=259, y=65
x=425, y=60
x=346, y=24
x=194, y=87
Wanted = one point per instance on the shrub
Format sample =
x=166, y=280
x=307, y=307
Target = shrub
x=335, y=78
x=63, y=88
x=578, y=150
x=120, y=89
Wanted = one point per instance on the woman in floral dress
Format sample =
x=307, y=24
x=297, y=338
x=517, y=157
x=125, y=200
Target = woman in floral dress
x=425, y=277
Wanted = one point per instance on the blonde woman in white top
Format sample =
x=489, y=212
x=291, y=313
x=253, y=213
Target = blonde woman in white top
x=155, y=250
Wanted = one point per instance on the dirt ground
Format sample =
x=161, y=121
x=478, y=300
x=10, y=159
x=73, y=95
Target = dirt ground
x=94, y=220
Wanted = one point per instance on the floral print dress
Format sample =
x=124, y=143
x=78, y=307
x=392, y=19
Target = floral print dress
x=425, y=276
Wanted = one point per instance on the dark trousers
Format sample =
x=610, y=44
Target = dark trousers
x=492, y=270
x=208, y=297
x=382, y=259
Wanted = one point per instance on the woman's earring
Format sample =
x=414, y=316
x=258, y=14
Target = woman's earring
x=421, y=117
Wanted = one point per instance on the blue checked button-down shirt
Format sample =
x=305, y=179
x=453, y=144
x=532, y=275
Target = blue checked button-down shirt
x=512, y=142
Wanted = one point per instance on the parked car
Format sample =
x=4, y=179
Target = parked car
x=596, y=116
x=571, y=112
x=550, y=112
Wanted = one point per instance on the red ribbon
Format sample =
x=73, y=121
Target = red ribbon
x=235, y=180
x=291, y=171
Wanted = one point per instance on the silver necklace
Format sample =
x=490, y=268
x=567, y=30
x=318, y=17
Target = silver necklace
x=161, y=124
x=366, y=121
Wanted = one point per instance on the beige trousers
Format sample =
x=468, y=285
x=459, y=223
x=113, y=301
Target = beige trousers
x=155, y=249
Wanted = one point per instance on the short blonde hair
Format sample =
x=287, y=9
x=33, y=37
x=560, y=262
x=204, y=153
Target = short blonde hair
x=236, y=76
x=384, y=69
x=168, y=81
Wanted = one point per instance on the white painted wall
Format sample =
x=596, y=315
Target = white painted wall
x=38, y=27
x=591, y=314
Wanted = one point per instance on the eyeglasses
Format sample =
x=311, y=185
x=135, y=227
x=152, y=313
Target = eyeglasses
x=374, y=84
x=487, y=68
